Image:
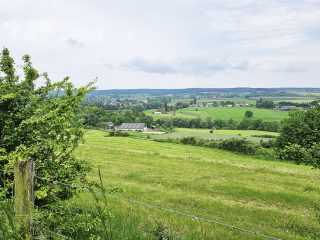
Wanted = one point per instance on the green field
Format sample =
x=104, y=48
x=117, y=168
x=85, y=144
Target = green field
x=275, y=198
x=218, y=100
x=302, y=99
x=225, y=113
x=216, y=134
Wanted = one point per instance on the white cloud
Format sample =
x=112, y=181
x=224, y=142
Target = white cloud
x=74, y=41
x=178, y=43
x=193, y=66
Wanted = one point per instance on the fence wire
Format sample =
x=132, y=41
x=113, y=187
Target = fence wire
x=188, y=215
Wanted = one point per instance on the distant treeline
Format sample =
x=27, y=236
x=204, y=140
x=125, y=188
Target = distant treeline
x=245, y=124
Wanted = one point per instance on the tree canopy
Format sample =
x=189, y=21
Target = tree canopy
x=300, y=136
x=248, y=114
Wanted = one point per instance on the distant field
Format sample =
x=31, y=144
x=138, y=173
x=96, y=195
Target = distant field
x=275, y=198
x=201, y=100
x=225, y=113
x=216, y=134
x=287, y=99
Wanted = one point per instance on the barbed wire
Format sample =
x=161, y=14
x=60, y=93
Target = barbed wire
x=192, y=216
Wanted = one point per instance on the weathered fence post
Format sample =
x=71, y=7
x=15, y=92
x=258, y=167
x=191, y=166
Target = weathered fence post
x=24, y=197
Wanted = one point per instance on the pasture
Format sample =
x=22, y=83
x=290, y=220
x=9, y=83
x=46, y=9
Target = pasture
x=272, y=197
x=224, y=113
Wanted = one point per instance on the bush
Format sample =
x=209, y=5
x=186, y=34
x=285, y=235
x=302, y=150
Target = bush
x=189, y=141
x=238, y=145
x=272, y=143
x=269, y=153
x=294, y=152
x=313, y=158
x=234, y=144
x=264, y=136
x=118, y=134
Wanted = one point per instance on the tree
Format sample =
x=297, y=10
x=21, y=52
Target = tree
x=38, y=122
x=301, y=127
x=248, y=114
x=264, y=104
x=301, y=130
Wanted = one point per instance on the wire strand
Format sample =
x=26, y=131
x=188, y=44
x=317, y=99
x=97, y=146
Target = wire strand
x=192, y=216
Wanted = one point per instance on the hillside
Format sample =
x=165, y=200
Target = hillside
x=271, y=197
x=225, y=113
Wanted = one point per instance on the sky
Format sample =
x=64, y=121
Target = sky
x=168, y=43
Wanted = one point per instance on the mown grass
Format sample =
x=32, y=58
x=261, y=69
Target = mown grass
x=267, y=196
x=224, y=113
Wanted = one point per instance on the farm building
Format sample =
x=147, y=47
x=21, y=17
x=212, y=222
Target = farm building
x=286, y=108
x=109, y=125
x=133, y=127
x=160, y=111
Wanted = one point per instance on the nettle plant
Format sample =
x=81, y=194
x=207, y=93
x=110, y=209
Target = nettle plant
x=38, y=122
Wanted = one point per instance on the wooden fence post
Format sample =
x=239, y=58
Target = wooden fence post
x=24, y=197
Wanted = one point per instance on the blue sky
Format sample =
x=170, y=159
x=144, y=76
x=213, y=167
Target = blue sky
x=168, y=43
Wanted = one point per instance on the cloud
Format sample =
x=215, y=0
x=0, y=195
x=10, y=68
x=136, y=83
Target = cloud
x=292, y=68
x=193, y=66
x=264, y=24
x=74, y=42
x=150, y=66
x=183, y=43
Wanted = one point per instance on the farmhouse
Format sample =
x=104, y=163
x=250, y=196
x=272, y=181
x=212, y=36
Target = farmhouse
x=160, y=111
x=109, y=125
x=286, y=108
x=133, y=127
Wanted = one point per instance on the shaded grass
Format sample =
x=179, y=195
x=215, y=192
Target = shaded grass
x=266, y=196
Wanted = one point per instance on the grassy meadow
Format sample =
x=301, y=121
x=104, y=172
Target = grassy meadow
x=224, y=113
x=272, y=197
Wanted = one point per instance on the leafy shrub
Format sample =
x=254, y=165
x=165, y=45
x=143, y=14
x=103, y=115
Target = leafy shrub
x=294, y=152
x=313, y=158
x=189, y=140
x=264, y=136
x=233, y=144
x=267, y=153
x=118, y=134
x=272, y=143
x=238, y=145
